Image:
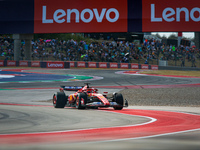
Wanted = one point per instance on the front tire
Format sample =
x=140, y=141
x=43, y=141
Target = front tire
x=118, y=98
x=81, y=101
x=59, y=100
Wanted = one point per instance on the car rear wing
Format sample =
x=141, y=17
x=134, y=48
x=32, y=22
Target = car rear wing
x=71, y=88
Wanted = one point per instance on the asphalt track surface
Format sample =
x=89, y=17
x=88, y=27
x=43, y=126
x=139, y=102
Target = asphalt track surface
x=27, y=121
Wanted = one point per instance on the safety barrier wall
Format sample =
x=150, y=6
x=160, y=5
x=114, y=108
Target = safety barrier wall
x=46, y=64
x=74, y=64
x=112, y=65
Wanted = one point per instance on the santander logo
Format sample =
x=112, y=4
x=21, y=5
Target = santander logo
x=169, y=14
x=65, y=16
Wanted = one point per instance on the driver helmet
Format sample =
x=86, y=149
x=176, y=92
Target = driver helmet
x=92, y=90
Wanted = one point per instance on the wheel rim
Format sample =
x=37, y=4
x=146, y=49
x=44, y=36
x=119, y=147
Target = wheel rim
x=77, y=101
x=54, y=99
x=82, y=101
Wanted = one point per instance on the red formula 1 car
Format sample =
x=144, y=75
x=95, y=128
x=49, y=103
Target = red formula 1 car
x=87, y=97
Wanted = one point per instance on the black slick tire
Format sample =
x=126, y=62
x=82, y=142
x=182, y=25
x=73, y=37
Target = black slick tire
x=80, y=97
x=59, y=100
x=118, y=98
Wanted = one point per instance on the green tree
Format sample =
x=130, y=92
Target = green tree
x=164, y=37
x=173, y=36
x=60, y=36
x=158, y=35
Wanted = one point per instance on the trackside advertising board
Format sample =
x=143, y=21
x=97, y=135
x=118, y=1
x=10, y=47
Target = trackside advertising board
x=23, y=63
x=56, y=64
x=79, y=64
x=72, y=64
x=80, y=16
x=1, y=63
x=83, y=16
x=134, y=66
x=35, y=63
x=154, y=67
x=124, y=65
x=143, y=66
x=92, y=64
x=113, y=65
x=103, y=65
x=11, y=63
x=170, y=15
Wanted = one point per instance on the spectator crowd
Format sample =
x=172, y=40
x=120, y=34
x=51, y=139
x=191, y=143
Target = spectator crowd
x=101, y=51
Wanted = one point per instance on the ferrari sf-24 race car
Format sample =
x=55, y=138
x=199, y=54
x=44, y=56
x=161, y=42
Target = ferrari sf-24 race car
x=87, y=97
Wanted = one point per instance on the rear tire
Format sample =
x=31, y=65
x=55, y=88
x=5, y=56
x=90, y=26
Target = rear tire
x=59, y=100
x=118, y=98
x=81, y=98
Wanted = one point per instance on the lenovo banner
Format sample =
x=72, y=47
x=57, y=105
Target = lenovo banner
x=56, y=64
x=63, y=16
x=170, y=15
